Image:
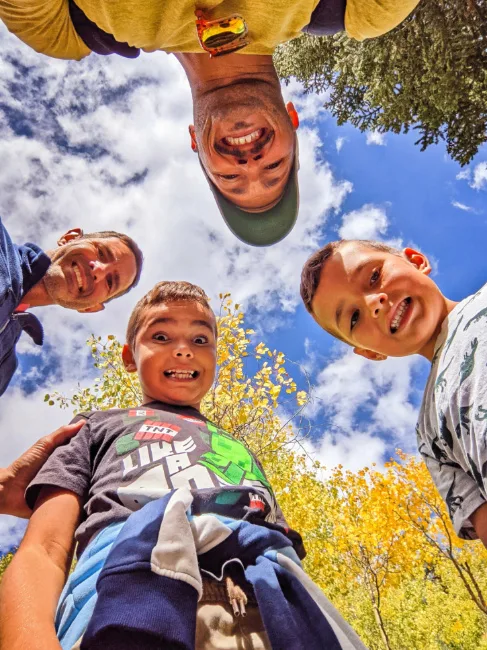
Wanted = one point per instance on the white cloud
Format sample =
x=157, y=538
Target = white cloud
x=308, y=105
x=339, y=142
x=11, y=530
x=353, y=452
x=462, y=206
x=463, y=175
x=368, y=222
x=374, y=137
x=479, y=176
x=365, y=397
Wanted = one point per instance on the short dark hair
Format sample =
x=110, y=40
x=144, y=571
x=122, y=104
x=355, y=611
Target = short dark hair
x=312, y=270
x=165, y=292
x=130, y=244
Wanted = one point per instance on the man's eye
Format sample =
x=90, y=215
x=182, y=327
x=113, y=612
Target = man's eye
x=101, y=254
x=375, y=276
x=228, y=177
x=200, y=340
x=159, y=336
x=274, y=165
x=354, y=319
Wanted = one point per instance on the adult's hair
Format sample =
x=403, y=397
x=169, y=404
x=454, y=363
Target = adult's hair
x=130, y=244
x=165, y=292
x=313, y=268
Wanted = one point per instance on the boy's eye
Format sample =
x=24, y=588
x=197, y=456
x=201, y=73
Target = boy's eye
x=375, y=276
x=109, y=282
x=159, y=336
x=200, y=340
x=101, y=254
x=354, y=319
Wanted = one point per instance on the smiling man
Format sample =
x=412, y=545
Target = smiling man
x=243, y=133
x=82, y=273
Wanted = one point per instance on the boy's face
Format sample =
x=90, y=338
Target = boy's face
x=380, y=303
x=174, y=353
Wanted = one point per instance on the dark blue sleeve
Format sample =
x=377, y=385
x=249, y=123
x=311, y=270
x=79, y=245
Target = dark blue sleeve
x=327, y=18
x=21, y=267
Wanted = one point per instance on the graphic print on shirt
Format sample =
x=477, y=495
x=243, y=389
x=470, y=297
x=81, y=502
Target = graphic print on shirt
x=450, y=340
x=467, y=365
x=475, y=319
x=159, y=456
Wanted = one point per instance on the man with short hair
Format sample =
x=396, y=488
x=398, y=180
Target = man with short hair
x=243, y=132
x=83, y=273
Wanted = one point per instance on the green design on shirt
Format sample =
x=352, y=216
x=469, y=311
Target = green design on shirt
x=231, y=460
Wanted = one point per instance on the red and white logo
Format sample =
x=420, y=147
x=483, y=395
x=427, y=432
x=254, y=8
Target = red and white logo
x=152, y=430
x=141, y=413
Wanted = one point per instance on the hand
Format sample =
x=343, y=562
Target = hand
x=15, y=478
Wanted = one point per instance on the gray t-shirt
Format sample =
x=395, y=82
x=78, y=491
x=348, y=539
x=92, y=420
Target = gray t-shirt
x=123, y=458
x=452, y=426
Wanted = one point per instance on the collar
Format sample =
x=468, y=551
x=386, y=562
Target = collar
x=34, y=264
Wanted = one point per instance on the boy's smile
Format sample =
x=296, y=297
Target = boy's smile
x=175, y=353
x=381, y=303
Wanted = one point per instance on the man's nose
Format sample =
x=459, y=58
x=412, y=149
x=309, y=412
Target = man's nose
x=182, y=351
x=376, y=303
x=99, y=270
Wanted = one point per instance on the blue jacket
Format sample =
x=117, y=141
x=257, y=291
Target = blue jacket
x=21, y=267
x=150, y=582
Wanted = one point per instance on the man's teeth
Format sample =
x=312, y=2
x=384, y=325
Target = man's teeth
x=78, y=277
x=401, y=310
x=181, y=374
x=246, y=139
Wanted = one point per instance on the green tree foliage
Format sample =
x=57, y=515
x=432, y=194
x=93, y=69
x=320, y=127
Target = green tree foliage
x=429, y=74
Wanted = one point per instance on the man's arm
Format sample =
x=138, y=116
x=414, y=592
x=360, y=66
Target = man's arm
x=479, y=522
x=15, y=478
x=34, y=580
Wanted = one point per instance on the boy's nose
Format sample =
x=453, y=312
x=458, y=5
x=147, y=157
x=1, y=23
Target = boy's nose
x=376, y=303
x=183, y=352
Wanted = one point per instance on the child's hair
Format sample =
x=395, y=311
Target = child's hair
x=311, y=273
x=164, y=292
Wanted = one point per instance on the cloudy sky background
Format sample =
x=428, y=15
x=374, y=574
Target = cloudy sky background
x=103, y=144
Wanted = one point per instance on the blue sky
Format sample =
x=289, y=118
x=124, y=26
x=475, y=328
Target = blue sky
x=103, y=144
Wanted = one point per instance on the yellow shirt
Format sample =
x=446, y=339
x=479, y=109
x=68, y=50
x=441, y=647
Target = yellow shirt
x=45, y=25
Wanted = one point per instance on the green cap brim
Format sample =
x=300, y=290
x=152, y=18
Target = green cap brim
x=262, y=228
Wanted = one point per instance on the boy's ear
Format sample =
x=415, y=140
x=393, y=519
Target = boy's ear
x=128, y=359
x=418, y=259
x=370, y=354
x=92, y=310
x=74, y=233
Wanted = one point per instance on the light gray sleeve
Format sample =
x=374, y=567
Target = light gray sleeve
x=460, y=491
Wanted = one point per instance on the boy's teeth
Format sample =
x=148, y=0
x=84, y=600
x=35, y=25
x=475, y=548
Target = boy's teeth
x=401, y=310
x=181, y=374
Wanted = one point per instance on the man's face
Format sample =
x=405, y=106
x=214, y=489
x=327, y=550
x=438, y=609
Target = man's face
x=378, y=302
x=85, y=273
x=246, y=143
x=174, y=353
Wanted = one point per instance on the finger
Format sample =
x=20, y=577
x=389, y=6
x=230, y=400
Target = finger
x=62, y=434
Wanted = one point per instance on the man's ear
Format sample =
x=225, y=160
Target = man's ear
x=74, y=233
x=418, y=259
x=92, y=310
x=192, y=134
x=370, y=354
x=128, y=359
x=293, y=115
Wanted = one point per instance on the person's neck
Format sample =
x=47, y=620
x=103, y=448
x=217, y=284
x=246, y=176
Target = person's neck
x=147, y=399
x=428, y=350
x=206, y=74
x=37, y=296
